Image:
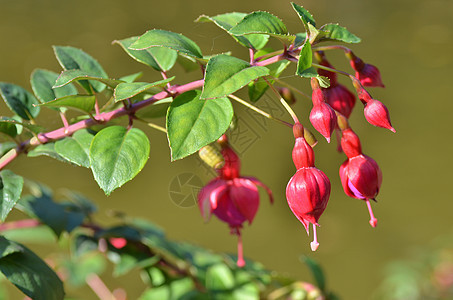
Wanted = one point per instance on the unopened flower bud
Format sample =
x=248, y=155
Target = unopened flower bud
x=377, y=114
x=368, y=75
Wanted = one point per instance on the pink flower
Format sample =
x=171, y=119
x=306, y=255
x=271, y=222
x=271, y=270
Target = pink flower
x=360, y=175
x=322, y=116
x=234, y=199
x=368, y=74
x=308, y=190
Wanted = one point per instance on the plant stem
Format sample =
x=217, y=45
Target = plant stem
x=99, y=287
x=292, y=88
x=331, y=47
x=283, y=102
x=256, y=109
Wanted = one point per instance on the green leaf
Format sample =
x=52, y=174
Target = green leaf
x=128, y=90
x=159, y=58
x=156, y=110
x=8, y=127
x=335, y=32
x=316, y=270
x=76, y=148
x=83, y=103
x=46, y=150
x=29, y=272
x=177, y=289
x=219, y=277
x=304, y=16
x=168, y=39
x=132, y=77
x=300, y=39
x=305, y=58
x=19, y=100
x=228, y=21
x=79, y=268
x=6, y=146
x=261, y=22
x=188, y=63
x=42, y=82
x=258, y=87
x=311, y=72
x=79, y=75
x=71, y=58
x=10, y=189
x=226, y=74
x=193, y=123
x=5, y=122
x=117, y=155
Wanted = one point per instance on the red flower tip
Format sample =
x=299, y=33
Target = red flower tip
x=368, y=75
x=350, y=143
x=377, y=114
x=323, y=119
x=340, y=99
x=118, y=243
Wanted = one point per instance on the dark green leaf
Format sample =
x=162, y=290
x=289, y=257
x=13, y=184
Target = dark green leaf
x=19, y=100
x=117, y=155
x=228, y=21
x=83, y=103
x=10, y=190
x=46, y=150
x=76, y=148
x=168, y=39
x=29, y=272
x=79, y=75
x=6, y=146
x=71, y=58
x=226, y=74
x=316, y=270
x=262, y=22
x=335, y=32
x=8, y=127
x=305, y=58
x=84, y=244
x=4, y=121
x=159, y=58
x=42, y=82
x=193, y=123
x=83, y=204
x=300, y=39
x=156, y=110
x=132, y=77
x=219, y=277
x=128, y=90
x=304, y=16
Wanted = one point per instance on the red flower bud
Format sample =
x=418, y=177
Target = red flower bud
x=350, y=143
x=340, y=99
x=368, y=74
x=377, y=114
x=323, y=119
x=230, y=197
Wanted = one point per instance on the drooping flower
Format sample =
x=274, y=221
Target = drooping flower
x=232, y=198
x=308, y=190
x=368, y=75
x=336, y=95
x=322, y=116
x=360, y=175
x=376, y=113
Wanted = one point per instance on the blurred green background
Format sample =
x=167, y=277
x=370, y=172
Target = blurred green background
x=410, y=41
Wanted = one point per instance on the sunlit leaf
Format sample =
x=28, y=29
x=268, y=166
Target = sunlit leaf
x=305, y=58
x=46, y=150
x=10, y=190
x=79, y=75
x=335, y=32
x=128, y=90
x=304, y=15
x=76, y=148
x=19, y=100
x=156, y=110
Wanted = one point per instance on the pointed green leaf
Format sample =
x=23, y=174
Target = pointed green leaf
x=84, y=103
x=262, y=22
x=159, y=58
x=6, y=122
x=117, y=155
x=305, y=58
x=335, y=32
x=10, y=190
x=78, y=75
x=258, y=87
x=28, y=272
x=226, y=74
x=42, y=82
x=228, y=21
x=128, y=90
x=46, y=150
x=156, y=110
x=76, y=148
x=8, y=127
x=19, y=100
x=304, y=16
x=193, y=123
x=71, y=58
x=132, y=77
x=168, y=39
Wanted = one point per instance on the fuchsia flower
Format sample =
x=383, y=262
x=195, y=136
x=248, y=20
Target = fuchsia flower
x=368, y=74
x=322, y=116
x=376, y=113
x=308, y=190
x=360, y=175
x=336, y=95
x=234, y=199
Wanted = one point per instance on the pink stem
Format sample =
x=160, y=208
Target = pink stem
x=373, y=220
x=314, y=245
x=99, y=287
x=240, y=263
x=28, y=223
x=64, y=120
